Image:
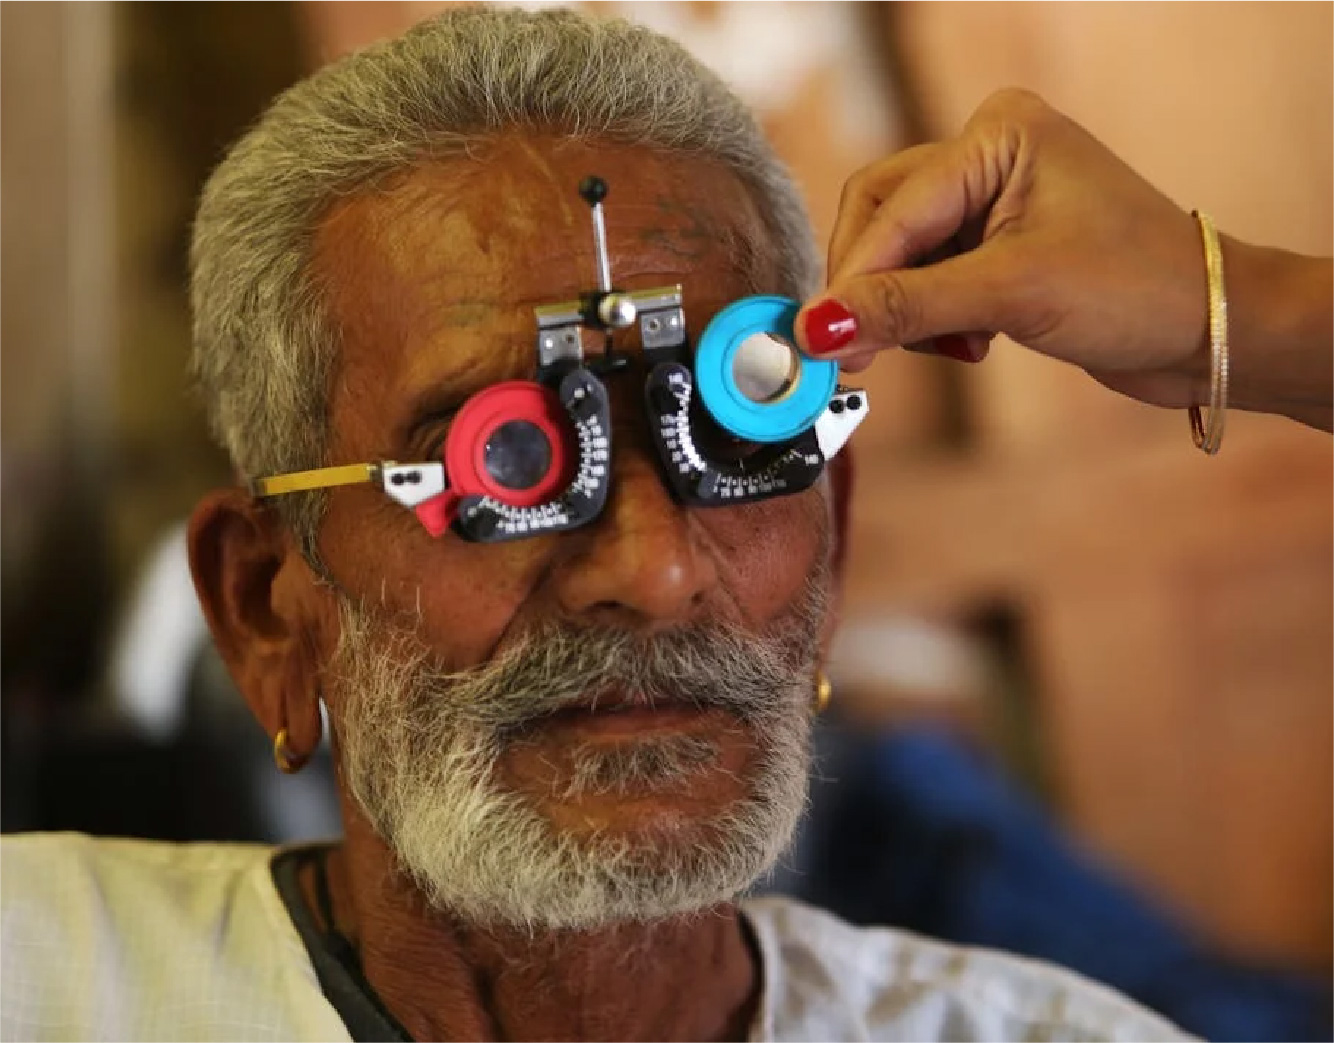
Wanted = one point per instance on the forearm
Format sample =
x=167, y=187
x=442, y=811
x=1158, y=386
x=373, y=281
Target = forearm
x=1280, y=333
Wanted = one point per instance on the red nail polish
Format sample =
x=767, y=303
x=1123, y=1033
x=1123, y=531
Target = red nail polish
x=954, y=346
x=829, y=326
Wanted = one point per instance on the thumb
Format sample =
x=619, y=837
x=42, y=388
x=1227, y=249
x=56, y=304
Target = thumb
x=888, y=309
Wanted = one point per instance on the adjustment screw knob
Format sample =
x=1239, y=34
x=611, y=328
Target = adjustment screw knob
x=617, y=311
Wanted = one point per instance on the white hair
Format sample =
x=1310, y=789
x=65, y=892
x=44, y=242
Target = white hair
x=264, y=349
x=420, y=748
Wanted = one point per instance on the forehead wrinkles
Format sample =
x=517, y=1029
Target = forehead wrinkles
x=374, y=260
x=443, y=231
x=449, y=243
x=516, y=201
x=389, y=261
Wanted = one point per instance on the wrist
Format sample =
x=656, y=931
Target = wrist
x=1279, y=319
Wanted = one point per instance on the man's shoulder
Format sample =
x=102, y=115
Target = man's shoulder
x=145, y=940
x=825, y=978
x=43, y=859
x=65, y=877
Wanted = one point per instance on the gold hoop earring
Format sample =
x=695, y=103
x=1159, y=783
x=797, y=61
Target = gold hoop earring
x=288, y=762
x=824, y=692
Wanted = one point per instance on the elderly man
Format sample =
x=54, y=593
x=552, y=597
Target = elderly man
x=562, y=759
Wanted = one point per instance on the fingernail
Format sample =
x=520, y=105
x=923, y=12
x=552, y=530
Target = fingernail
x=954, y=346
x=829, y=326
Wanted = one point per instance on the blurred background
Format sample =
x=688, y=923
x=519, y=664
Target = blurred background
x=1130, y=644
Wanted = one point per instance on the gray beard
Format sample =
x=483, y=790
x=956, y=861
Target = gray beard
x=419, y=747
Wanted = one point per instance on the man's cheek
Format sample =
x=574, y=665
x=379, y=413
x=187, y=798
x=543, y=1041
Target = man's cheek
x=768, y=550
x=468, y=613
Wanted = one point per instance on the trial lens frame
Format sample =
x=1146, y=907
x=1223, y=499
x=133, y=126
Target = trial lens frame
x=530, y=457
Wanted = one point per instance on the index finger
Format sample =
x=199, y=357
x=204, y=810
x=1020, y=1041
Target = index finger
x=863, y=195
x=923, y=212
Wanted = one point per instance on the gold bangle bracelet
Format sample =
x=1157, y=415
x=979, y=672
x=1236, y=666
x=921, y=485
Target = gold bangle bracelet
x=1209, y=437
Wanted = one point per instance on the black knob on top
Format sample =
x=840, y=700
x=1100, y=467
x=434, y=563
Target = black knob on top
x=593, y=190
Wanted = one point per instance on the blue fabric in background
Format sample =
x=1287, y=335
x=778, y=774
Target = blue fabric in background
x=911, y=829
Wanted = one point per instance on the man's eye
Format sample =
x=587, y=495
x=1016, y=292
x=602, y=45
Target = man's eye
x=435, y=444
x=430, y=442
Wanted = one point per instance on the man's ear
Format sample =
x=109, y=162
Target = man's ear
x=840, y=489
x=263, y=608
x=840, y=473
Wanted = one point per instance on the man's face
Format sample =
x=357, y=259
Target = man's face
x=571, y=728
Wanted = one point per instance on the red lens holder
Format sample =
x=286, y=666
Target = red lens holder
x=465, y=450
x=488, y=411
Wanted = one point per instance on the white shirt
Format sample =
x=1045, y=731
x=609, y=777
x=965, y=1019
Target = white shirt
x=138, y=940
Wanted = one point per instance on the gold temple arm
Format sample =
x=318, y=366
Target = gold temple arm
x=321, y=478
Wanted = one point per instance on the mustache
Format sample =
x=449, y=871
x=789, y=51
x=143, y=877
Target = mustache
x=558, y=665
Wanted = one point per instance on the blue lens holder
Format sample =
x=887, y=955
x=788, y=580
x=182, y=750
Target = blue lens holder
x=715, y=354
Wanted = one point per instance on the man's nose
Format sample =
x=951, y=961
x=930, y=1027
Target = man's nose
x=645, y=562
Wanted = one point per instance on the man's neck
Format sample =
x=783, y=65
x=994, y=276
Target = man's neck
x=692, y=977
